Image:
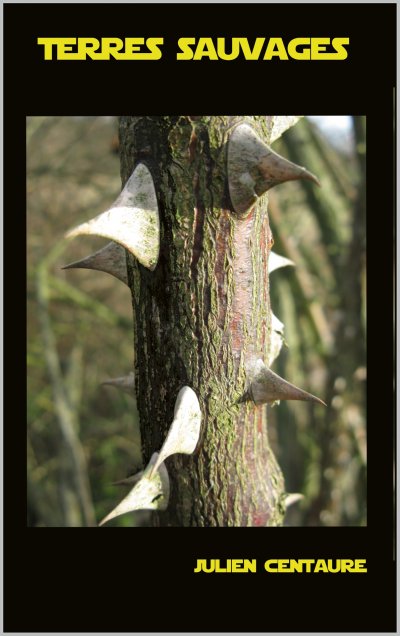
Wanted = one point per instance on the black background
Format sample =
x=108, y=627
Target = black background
x=61, y=580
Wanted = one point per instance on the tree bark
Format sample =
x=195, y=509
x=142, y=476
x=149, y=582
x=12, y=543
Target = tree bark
x=200, y=318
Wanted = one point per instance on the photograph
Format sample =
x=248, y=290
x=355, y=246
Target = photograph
x=234, y=393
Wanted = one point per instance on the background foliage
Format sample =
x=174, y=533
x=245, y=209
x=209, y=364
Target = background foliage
x=83, y=436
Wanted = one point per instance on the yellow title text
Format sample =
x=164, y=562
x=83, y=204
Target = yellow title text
x=282, y=566
x=103, y=49
x=263, y=49
x=195, y=49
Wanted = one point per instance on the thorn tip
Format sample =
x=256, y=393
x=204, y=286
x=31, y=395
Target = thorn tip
x=150, y=492
x=110, y=259
x=268, y=387
x=125, y=383
x=184, y=431
x=132, y=220
x=253, y=168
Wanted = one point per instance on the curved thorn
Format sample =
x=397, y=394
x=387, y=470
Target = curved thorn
x=184, y=431
x=110, y=259
x=151, y=492
x=276, y=324
x=132, y=220
x=276, y=261
x=126, y=383
x=253, y=168
x=293, y=498
x=268, y=387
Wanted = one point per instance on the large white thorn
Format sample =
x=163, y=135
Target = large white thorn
x=184, y=432
x=151, y=492
x=276, y=261
x=132, y=220
x=253, y=168
x=268, y=387
x=110, y=259
x=293, y=498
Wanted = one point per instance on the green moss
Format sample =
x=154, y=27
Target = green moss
x=187, y=344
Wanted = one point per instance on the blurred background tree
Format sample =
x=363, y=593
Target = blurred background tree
x=83, y=436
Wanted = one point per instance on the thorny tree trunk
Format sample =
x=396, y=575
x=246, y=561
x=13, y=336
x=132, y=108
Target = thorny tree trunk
x=199, y=318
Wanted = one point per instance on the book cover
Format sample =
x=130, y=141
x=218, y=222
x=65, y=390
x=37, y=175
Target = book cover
x=187, y=297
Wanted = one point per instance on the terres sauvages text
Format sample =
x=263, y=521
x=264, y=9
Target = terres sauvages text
x=195, y=49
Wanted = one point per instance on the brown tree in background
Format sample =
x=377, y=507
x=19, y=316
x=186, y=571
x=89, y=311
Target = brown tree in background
x=322, y=304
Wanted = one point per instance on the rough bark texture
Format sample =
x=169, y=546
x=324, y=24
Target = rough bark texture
x=201, y=317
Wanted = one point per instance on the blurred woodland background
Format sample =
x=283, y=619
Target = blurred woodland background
x=83, y=436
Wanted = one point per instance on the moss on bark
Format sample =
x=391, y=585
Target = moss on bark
x=200, y=318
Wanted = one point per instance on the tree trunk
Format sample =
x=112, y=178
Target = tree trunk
x=200, y=319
